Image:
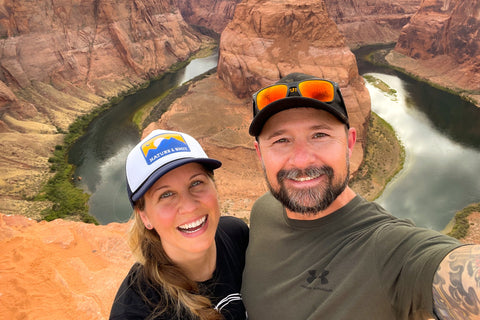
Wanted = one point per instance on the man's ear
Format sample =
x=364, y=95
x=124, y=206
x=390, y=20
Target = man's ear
x=257, y=148
x=351, y=139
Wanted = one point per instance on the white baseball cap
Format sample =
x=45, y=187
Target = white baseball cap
x=157, y=154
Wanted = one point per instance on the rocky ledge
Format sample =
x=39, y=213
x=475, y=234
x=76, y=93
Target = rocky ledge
x=60, y=269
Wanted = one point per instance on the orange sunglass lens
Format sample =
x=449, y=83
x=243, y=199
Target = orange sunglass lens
x=271, y=94
x=317, y=89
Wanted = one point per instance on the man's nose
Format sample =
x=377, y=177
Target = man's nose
x=303, y=155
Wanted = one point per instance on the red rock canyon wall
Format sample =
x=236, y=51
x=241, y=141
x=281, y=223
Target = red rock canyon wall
x=371, y=22
x=377, y=21
x=211, y=14
x=442, y=44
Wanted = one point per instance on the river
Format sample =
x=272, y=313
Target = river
x=441, y=136
x=99, y=155
x=440, y=133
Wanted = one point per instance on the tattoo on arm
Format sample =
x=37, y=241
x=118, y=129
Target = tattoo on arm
x=456, y=285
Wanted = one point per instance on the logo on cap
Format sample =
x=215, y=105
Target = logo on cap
x=162, y=145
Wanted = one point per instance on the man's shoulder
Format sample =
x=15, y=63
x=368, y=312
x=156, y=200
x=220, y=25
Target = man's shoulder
x=267, y=199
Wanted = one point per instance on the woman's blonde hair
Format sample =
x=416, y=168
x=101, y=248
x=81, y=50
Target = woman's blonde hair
x=177, y=291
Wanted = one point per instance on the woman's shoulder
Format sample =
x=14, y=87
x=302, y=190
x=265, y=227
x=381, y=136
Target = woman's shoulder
x=128, y=303
x=132, y=274
x=233, y=229
x=233, y=225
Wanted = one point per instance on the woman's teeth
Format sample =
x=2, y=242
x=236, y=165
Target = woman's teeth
x=193, y=226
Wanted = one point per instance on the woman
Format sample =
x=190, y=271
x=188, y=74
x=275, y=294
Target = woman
x=187, y=267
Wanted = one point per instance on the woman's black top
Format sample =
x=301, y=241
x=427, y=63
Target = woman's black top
x=223, y=289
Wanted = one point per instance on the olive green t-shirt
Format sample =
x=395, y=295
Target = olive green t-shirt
x=359, y=262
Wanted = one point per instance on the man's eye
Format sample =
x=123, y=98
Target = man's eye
x=319, y=135
x=282, y=140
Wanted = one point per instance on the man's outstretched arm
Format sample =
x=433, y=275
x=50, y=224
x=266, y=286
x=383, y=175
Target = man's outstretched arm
x=456, y=285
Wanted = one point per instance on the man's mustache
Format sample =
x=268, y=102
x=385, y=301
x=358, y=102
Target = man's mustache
x=310, y=172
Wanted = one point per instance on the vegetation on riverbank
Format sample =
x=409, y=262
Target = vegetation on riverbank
x=381, y=85
x=67, y=200
x=461, y=223
x=384, y=156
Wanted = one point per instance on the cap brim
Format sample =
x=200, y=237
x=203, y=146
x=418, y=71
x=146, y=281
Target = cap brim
x=207, y=162
x=289, y=103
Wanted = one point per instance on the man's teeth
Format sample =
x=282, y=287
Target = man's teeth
x=301, y=179
x=192, y=226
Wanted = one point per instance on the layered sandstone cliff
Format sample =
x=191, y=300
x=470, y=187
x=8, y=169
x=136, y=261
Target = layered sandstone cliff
x=60, y=59
x=362, y=23
x=371, y=22
x=442, y=44
x=271, y=39
x=210, y=14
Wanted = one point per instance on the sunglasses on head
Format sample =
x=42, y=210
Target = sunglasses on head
x=318, y=89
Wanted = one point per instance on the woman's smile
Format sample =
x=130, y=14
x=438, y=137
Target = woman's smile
x=194, y=227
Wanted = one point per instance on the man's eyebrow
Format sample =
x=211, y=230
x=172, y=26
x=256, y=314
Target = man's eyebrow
x=280, y=132
x=275, y=134
x=321, y=126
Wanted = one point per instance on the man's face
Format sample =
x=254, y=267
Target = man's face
x=305, y=155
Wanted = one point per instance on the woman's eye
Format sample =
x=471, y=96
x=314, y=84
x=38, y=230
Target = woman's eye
x=166, y=195
x=196, y=183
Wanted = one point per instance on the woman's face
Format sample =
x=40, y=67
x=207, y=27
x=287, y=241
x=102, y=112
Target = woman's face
x=182, y=206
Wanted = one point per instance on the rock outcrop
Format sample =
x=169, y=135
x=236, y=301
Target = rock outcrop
x=210, y=14
x=61, y=59
x=441, y=43
x=268, y=40
x=60, y=269
x=371, y=22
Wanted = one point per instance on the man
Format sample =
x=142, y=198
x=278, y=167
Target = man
x=319, y=251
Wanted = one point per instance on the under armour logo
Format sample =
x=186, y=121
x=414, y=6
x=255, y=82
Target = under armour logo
x=322, y=276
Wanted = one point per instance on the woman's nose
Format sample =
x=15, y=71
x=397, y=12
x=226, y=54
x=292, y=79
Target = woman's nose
x=188, y=203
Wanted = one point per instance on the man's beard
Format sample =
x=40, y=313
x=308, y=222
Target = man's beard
x=309, y=201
